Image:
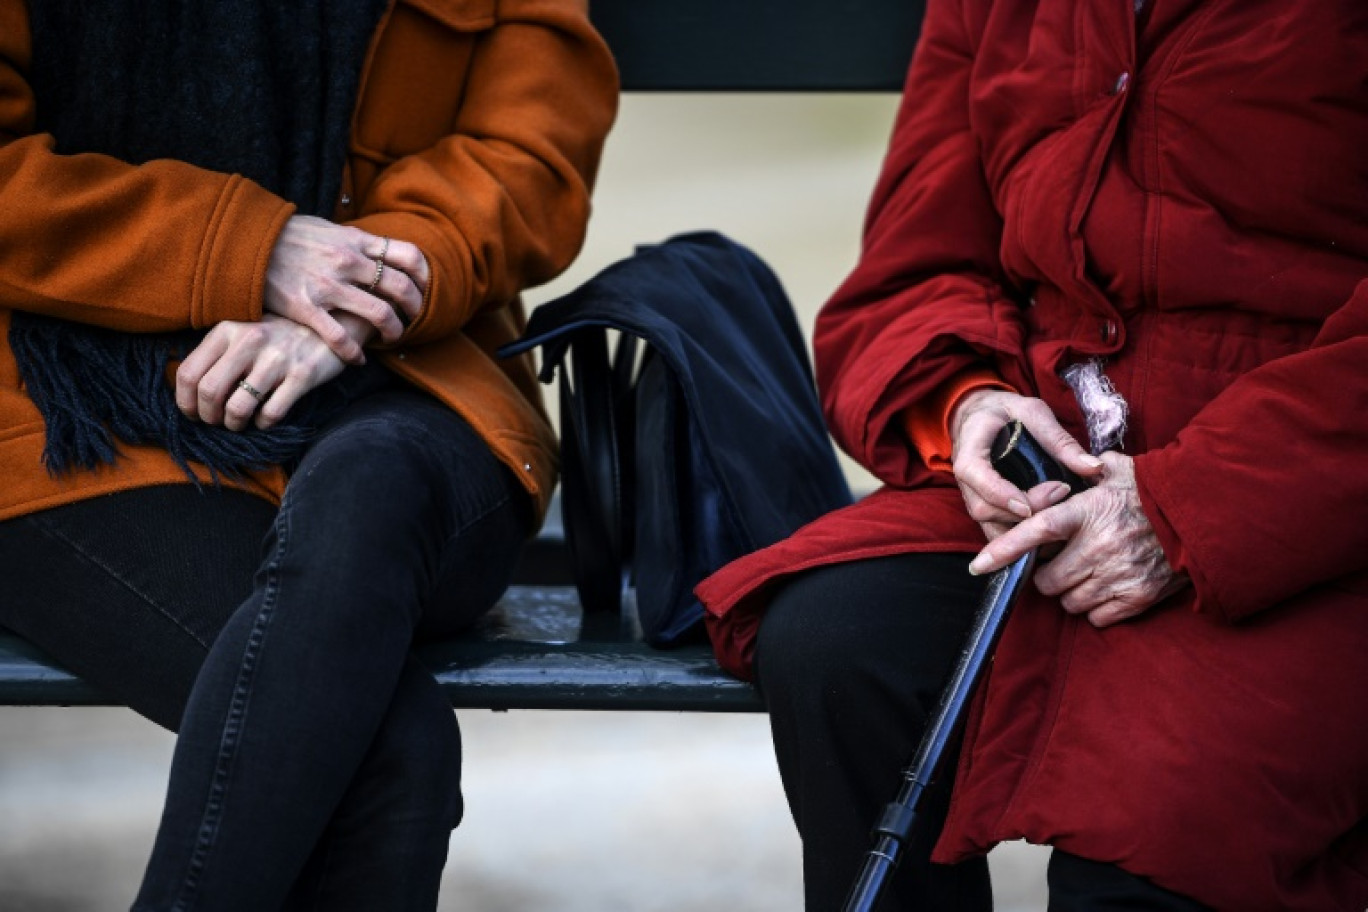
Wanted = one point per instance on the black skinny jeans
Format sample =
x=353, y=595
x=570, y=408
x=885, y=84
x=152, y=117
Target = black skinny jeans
x=318, y=764
x=851, y=660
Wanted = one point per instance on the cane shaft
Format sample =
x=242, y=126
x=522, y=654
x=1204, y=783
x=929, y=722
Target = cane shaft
x=1022, y=461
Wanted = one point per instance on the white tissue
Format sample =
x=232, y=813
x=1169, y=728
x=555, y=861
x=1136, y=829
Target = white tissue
x=1103, y=408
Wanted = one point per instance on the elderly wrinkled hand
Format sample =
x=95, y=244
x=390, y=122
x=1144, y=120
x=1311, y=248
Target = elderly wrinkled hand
x=319, y=270
x=992, y=501
x=1111, y=567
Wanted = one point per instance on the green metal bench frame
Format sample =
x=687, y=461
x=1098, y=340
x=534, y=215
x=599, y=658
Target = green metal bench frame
x=540, y=649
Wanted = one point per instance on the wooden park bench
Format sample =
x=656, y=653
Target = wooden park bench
x=542, y=649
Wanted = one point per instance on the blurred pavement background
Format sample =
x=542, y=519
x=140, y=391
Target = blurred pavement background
x=565, y=812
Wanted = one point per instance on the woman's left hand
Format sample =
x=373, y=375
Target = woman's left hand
x=1112, y=567
x=244, y=369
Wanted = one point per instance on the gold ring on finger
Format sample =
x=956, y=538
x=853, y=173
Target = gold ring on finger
x=379, y=271
x=379, y=265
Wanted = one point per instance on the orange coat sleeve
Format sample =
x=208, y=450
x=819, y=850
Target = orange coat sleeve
x=156, y=247
x=502, y=202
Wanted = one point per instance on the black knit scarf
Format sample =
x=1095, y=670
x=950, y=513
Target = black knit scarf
x=259, y=88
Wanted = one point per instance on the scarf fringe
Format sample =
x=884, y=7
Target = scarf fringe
x=92, y=385
x=120, y=78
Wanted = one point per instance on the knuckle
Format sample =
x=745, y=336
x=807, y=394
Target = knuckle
x=313, y=289
x=981, y=512
x=300, y=373
x=330, y=289
x=357, y=262
x=272, y=359
x=332, y=333
x=1073, y=603
x=413, y=259
x=1053, y=523
x=378, y=311
x=338, y=258
x=237, y=413
x=253, y=334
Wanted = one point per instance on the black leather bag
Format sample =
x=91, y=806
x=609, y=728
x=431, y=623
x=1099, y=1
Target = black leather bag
x=690, y=429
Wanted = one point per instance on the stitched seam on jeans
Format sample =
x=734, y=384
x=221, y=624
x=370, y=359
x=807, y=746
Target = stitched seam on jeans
x=466, y=527
x=53, y=531
x=480, y=517
x=233, y=724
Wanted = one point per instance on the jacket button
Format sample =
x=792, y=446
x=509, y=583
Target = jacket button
x=1122, y=82
x=1108, y=331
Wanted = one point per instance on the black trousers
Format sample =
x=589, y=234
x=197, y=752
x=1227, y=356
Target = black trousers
x=851, y=660
x=318, y=764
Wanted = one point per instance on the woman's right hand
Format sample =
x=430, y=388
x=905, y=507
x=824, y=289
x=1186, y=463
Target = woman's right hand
x=992, y=501
x=318, y=267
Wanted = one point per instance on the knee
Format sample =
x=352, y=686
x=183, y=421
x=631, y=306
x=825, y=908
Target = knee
x=808, y=642
x=401, y=462
x=380, y=461
x=867, y=628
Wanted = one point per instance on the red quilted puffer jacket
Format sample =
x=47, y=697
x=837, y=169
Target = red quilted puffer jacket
x=1184, y=194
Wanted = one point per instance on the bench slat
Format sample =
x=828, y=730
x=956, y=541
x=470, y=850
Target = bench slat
x=536, y=650
x=30, y=678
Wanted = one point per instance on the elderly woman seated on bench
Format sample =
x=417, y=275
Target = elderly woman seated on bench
x=257, y=259
x=1139, y=228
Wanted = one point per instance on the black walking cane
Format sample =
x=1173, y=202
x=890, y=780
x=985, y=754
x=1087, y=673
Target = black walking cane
x=1023, y=462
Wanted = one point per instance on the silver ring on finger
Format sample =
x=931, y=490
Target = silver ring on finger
x=250, y=390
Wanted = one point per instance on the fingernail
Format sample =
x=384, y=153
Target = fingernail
x=980, y=565
x=1058, y=492
x=1019, y=507
x=1091, y=461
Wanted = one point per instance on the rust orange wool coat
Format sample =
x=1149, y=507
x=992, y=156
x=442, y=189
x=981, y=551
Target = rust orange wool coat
x=1185, y=196
x=476, y=136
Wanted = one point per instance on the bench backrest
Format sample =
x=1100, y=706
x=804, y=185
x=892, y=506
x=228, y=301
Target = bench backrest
x=760, y=45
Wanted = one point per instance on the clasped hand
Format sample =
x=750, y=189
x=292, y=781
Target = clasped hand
x=326, y=296
x=1111, y=566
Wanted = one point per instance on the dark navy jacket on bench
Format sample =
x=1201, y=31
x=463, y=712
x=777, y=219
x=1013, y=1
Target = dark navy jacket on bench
x=722, y=449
